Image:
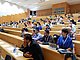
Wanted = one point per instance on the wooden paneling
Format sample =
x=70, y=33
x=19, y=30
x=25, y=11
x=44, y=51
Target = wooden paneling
x=75, y=8
x=15, y=17
x=45, y=12
x=64, y=5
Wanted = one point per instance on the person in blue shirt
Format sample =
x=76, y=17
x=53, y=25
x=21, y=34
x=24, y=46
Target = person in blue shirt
x=37, y=36
x=48, y=28
x=65, y=42
x=39, y=26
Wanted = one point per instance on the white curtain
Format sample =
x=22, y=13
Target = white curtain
x=7, y=9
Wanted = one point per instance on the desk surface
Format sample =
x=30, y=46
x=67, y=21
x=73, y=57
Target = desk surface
x=9, y=49
x=49, y=54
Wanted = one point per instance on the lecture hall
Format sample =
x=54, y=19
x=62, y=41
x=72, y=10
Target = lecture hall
x=39, y=29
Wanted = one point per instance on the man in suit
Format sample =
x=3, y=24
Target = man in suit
x=31, y=49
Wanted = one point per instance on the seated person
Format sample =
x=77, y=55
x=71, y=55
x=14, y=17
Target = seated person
x=46, y=39
x=24, y=30
x=39, y=26
x=61, y=22
x=50, y=24
x=31, y=49
x=79, y=19
x=65, y=42
x=1, y=29
x=71, y=34
x=34, y=26
x=48, y=28
x=37, y=35
x=33, y=33
x=29, y=24
x=44, y=24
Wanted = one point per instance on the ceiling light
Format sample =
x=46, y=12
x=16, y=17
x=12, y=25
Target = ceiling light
x=47, y=0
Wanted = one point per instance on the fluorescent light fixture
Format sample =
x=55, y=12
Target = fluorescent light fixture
x=47, y=0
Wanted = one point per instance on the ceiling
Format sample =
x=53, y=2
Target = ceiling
x=38, y=4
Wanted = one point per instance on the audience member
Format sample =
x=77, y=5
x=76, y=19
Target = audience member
x=31, y=49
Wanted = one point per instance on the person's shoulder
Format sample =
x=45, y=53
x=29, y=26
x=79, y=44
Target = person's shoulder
x=50, y=36
x=39, y=34
x=61, y=36
x=35, y=43
x=69, y=38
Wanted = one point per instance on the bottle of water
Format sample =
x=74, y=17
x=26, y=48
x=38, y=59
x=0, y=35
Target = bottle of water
x=14, y=50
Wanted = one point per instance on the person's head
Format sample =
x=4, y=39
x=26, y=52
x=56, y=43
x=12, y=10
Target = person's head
x=46, y=33
x=35, y=24
x=49, y=22
x=25, y=25
x=39, y=23
x=33, y=32
x=69, y=29
x=47, y=26
x=64, y=32
x=36, y=30
x=78, y=17
x=27, y=38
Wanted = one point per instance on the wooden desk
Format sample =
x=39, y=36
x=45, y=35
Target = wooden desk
x=51, y=32
x=77, y=47
x=18, y=33
x=49, y=54
x=18, y=29
x=11, y=39
x=8, y=49
x=78, y=37
x=14, y=32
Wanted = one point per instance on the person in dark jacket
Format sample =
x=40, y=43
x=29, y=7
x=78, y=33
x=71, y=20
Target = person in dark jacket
x=48, y=28
x=31, y=49
x=46, y=39
x=24, y=30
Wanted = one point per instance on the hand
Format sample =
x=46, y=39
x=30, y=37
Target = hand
x=27, y=55
x=39, y=42
x=69, y=49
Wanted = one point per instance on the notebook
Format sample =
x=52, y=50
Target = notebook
x=64, y=51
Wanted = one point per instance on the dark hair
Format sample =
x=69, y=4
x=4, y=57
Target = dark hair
x=33, y=30
x=47, y=25
x=65, y=30
x=47, y=31
x=38, y=23
x=25, y=25
x=37, y=29
x=78, y=16
x=35, y=24
x=28, y=37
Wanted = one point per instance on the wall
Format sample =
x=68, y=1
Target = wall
x=15, y=17
x=75, y=8
x=64, y=5
x=45, y=12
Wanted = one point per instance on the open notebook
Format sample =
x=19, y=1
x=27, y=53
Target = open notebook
x=64, y=51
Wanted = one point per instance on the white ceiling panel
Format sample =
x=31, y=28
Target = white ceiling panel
x=39, y=4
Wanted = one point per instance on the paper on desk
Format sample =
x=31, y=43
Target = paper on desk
x=52, y=48
x=10, y=48
x=2, y=43
x=17, y=54
x=61, y=49
x=5, y=45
